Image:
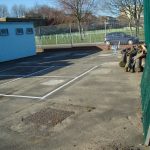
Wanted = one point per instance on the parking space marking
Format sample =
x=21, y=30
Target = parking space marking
x=64, y=77
x=53, y=82
x=52, y=92
x=7, y=69
x=67, y=77
x=60, y=55
x=25, y=76
x=82, y=54
x=20, y=96
x=5, y=75
x=28, y=62
x=105, y=55
x=33, y=66
x=66, y=84
x=49, y=57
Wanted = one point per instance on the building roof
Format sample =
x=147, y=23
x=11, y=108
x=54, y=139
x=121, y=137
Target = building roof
x=36, y=21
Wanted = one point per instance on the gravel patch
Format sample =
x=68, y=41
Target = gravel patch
x=47, y=117
x=119, y=146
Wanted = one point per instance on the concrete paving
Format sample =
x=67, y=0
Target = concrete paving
x=69, y=100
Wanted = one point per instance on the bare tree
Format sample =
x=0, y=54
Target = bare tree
x=3, y=11
x=78, y=9
x=52, y=15
x=19, y=10
x=133, y=9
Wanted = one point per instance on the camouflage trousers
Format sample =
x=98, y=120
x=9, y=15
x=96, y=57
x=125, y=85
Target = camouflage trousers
x=130, y=65
x=139, y=64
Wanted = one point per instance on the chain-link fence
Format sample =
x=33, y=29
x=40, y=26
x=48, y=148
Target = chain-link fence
x=90, y=33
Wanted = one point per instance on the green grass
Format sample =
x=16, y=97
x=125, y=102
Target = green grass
x=88, y=37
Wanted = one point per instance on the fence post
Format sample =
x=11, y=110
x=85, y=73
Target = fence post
x=56, y=39
x=90, y=38
x=40, y=39
x=71, y=38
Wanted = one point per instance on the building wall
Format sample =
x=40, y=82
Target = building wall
x=15, y=46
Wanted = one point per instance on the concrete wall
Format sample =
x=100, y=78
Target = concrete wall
x=16, y=46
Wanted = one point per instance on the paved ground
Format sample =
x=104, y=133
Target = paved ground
x=73, y=100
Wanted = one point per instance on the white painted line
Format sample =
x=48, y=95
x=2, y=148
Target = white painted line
x=39, y=76
x=110, y=64
x=20, y=96
x=53, y=82
x=33, y=66
x=5, y=75
x=82, y=54
x=105, y=55
x=49, y=57
x=71, y=81
x=53, y=61
x=64, y=77
x=26, y=76
x=28, y=62
x=58, y=55
x=7, y=69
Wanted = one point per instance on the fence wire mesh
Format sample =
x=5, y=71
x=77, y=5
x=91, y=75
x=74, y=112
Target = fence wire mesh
x=90, y=33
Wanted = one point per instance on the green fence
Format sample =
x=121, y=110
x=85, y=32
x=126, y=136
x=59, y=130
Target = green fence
x=145, y=84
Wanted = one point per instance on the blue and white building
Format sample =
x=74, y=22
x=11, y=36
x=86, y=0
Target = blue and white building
x=17, y=40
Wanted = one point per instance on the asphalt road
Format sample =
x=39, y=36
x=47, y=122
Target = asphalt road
x=69, y=100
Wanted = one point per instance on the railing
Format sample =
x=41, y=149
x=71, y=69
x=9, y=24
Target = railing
x=47, y=36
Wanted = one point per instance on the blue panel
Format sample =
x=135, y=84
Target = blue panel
x=14, y=45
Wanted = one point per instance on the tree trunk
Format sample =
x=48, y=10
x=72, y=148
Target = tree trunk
x=80, y=29
x=130, y=25
x=137, y=27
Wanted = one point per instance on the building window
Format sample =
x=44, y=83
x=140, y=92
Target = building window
x=19, y=31
x=29, y=30
x=3, y=32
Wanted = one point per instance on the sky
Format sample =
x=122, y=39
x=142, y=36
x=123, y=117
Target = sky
x=31, y=3
x=27, y=3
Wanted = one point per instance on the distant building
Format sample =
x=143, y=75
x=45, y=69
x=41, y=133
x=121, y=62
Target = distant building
x=108, y=19
x=111, y=20
x=16, y=40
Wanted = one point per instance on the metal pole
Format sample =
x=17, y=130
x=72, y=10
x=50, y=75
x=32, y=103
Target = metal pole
x=71, y=39
x=56, y=39
x=105, y=28
x=40, y=37
x=90, y=37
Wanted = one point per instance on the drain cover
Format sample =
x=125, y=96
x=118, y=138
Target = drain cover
x=105, y=55
x=47, y=117
x=101, y=72
x=53, y=82
x=109, y=64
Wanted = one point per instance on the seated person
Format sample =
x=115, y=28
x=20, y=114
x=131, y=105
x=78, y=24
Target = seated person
x=124, y=56
x=130, y=65
x=139, y=59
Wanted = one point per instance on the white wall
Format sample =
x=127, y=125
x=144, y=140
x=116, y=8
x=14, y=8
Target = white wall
x=16, y=46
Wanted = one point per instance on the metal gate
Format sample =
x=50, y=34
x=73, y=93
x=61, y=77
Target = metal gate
x=145, y=84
